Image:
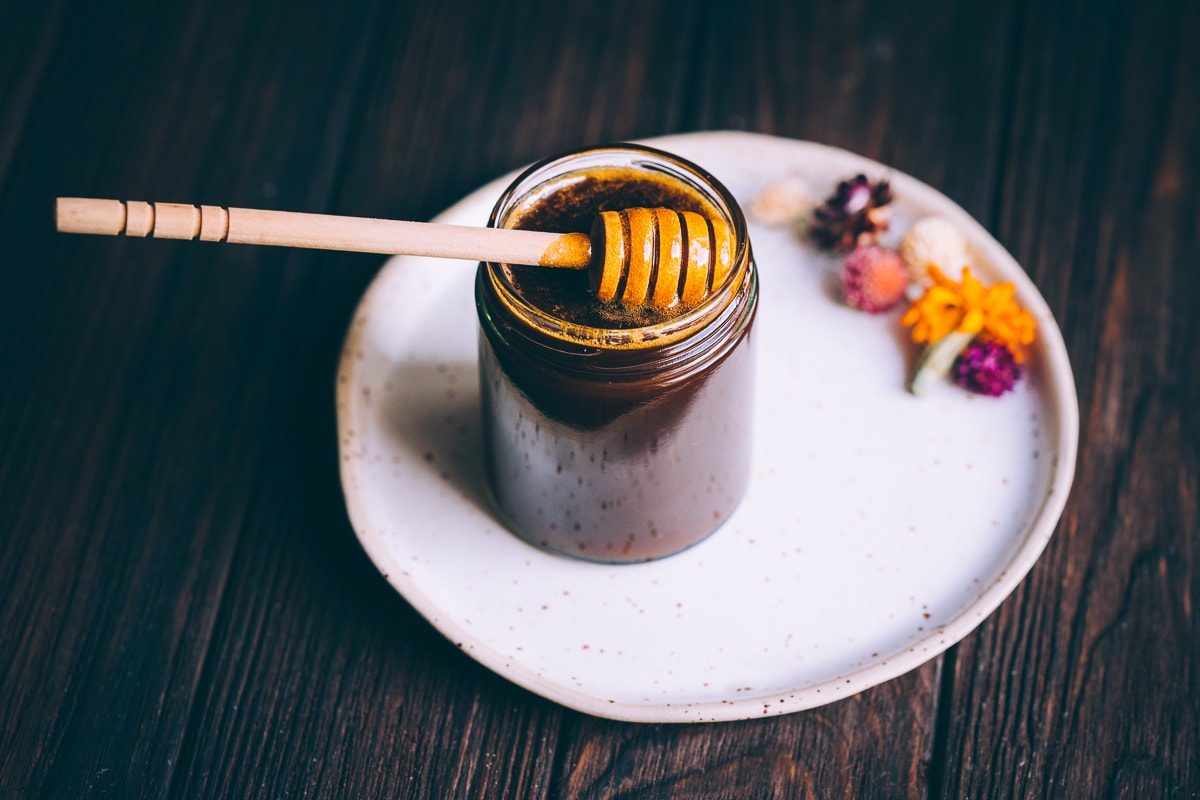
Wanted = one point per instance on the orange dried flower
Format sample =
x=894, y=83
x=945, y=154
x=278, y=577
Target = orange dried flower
x=969, y=307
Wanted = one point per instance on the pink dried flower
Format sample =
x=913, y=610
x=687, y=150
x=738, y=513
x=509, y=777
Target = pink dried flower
x=874, y=279
x=987, y=367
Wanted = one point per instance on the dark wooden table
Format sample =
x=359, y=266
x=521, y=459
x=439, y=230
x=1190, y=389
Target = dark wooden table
x=184, y=607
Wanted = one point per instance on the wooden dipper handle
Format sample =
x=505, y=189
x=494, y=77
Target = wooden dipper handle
x=321, y=232
x=640, y=257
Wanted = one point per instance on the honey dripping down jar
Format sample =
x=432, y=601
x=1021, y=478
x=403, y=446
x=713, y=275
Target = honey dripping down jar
x=614, y=434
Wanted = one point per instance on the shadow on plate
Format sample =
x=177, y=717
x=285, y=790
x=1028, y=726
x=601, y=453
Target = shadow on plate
x=431, y=410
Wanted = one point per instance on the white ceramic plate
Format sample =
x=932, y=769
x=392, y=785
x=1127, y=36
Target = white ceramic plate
x=878, y=530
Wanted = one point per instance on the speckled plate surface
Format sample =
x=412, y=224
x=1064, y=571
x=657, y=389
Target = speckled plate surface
x=878, y=529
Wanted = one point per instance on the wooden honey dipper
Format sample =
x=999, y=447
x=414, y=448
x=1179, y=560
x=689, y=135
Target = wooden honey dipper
x=652, y=257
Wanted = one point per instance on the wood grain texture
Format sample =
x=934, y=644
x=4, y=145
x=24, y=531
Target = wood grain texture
x=1086, y=683
x=184, y=609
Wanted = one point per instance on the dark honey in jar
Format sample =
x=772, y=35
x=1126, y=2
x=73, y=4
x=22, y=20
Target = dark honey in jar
x=614, y=434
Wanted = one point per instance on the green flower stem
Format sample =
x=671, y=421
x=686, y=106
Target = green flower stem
x=936, y=361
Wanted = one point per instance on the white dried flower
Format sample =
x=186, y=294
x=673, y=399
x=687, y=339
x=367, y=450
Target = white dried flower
x=937, y=241
x=787, y=201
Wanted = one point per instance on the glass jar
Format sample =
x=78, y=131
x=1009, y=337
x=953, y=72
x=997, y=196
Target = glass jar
x=611, y=434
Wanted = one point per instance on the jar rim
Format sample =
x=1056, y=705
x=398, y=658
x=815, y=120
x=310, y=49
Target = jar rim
x=622, y=154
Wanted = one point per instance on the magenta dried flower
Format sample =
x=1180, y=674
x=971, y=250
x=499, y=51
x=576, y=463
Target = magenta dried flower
x=853, y=216
x=986, y=367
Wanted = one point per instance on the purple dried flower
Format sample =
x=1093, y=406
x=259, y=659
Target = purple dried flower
x=986, y=367
x=853, y=216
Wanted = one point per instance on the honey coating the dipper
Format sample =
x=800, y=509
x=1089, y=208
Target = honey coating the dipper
x=664, y=275
x=658, y=257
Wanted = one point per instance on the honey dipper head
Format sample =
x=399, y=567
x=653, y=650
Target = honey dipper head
x=658, y=257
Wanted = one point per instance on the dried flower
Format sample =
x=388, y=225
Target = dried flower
x=787, y=201
x=874, y=279
x=969, y=308
x=936, y=241
x=853, y=216
x=987, y=367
